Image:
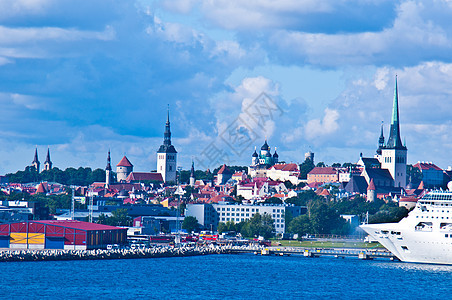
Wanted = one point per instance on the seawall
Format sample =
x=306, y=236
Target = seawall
x=54, y=255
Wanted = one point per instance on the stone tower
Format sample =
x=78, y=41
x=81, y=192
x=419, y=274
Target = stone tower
x=48, y=162
x=123, y=169
x=371, y=191
x=394, y=154
x=167, y=156
x=35, y=163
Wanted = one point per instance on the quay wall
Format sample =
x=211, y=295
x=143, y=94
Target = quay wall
x=53, y=255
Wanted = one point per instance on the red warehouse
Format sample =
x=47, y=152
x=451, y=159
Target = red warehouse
x=60, y=235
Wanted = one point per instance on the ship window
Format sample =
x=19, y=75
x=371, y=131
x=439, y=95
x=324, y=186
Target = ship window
x=446, y=235
x=404, y=247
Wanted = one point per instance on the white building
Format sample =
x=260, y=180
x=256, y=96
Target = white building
x=260, y=188
x=284, y=172
x=210, y=215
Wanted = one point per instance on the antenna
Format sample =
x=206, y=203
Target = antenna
x=73, y=204
x=91, y=207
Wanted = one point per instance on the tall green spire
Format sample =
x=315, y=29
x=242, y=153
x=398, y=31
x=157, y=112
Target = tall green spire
x=394, y=140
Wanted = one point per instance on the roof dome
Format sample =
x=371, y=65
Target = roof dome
x=276, y=154
x=255, y=154
x=265, y=146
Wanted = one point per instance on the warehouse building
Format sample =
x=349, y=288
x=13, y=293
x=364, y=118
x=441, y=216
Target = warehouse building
x=57, y=234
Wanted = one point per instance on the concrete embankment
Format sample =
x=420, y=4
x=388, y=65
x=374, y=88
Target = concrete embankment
x=52, y=255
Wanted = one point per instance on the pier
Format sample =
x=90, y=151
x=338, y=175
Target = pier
x=156, y=252
x=365, y=254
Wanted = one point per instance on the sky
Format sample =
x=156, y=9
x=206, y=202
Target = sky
x=83, y=77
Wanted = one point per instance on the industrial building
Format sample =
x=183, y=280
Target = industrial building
x=56, y=234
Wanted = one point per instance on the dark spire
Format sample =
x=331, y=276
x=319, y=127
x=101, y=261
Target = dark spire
x=381, y=140
x=394, y=140
x=108, y=167
x=35, y=160
x=167, y=147
x=192, y=171
x=167, y=135
x=48, y=156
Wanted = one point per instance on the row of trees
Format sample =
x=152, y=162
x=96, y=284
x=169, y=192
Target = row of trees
x=70, y=176
x=323, y=217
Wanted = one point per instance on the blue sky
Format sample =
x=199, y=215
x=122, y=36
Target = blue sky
x=82, y=77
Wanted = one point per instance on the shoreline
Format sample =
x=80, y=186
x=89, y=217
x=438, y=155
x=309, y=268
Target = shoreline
x=158, y=252
x=155, y=252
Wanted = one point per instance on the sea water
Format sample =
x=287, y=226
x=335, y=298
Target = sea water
x=243, y=276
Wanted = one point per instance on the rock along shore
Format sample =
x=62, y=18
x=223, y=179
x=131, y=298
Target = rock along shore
x=155, y=252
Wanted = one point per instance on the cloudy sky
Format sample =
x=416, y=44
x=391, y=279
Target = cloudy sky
x=82, y=77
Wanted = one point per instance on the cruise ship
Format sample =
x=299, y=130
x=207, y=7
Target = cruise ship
x=425, y=235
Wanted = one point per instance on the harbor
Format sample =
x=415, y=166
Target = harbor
x=165, y=251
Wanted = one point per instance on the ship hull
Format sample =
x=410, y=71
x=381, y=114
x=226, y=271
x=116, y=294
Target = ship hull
x=410, y=245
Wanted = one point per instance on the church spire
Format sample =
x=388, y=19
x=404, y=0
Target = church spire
x=381, y=140
x=35, y=163
x=108, y=167
x=394, y=140
x=48, y=156
x=36, y=160
x=48, y=162
x=192, y=171
x=167, y=134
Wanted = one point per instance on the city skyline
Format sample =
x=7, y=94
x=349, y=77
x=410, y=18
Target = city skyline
x=83, y=79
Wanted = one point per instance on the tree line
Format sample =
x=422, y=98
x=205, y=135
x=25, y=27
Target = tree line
x=70, y=176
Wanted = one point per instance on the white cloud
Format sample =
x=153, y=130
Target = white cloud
x=16, y=36
x=317, y=129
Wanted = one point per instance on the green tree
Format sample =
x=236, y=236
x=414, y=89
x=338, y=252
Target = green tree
x=273, y=200
x=190, y=224
x=300, y=225
x=258, y=225
x=305, y=168
x=120, y=217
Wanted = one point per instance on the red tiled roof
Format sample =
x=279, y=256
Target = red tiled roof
x=426, y=166
x=41, y=189
x=371, y=186
x=141, y=176
x=124, y=163
x=323, y=170
x=325, y=193
x=224, y=170
x=285, y=167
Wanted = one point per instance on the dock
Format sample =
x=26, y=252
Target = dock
x=365, y=254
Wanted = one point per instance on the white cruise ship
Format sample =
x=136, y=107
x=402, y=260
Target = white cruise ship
x=424, y=236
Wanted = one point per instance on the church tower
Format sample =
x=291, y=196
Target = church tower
x=192, y=174
x=48, y=162
x=108, y=171
x=35, y=163
x=167, y=156
x=394, y=153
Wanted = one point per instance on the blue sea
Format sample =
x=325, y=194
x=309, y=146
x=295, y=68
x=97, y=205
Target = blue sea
x=243, y=276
